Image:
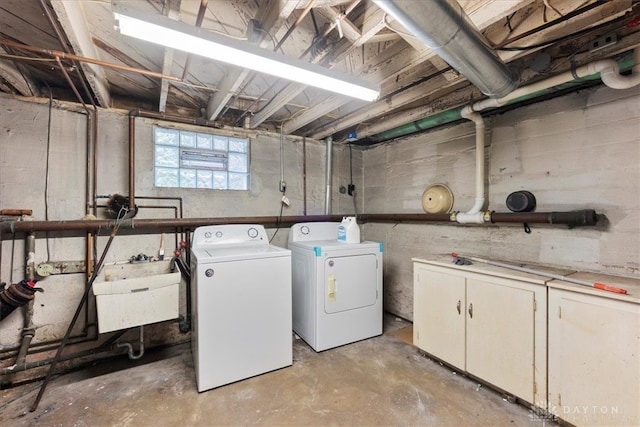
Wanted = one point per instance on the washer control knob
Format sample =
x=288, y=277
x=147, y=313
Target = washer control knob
x=208, y=272
x=304, y=230
x=252, y=232
x=218, y=234
x=207, y=234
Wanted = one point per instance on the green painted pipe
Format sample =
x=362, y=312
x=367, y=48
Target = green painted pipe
x=452, y=115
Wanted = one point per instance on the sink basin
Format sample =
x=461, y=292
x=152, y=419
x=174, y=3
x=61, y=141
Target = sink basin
x=129, y=295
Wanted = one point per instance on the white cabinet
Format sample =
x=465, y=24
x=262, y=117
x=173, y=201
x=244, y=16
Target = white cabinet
x=439, y=324
x=594, y=356
x=492, y=327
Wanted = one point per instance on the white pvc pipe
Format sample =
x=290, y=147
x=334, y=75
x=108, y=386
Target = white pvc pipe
x=474, y=215
x=609, y=73
x=327, y=178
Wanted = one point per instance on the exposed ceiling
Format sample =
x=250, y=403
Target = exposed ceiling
x=536, y=38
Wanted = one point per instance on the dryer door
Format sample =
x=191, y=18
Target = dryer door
x=350, y=282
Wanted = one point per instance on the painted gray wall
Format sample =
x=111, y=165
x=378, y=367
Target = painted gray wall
x=24, y=184
x=580, y=151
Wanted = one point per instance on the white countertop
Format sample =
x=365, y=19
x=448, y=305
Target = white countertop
x=632, y=285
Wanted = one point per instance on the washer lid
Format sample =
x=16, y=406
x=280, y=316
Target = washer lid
x=437, y=198
x=238, y=253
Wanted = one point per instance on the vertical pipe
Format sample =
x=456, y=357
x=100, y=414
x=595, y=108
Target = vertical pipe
x=304, y=176
x=474, y=215
x=132, y=160
x=328, y=172
x=28, y=330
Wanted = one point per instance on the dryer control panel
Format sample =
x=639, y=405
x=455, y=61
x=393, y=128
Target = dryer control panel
x=229, y=234
x=310, y=231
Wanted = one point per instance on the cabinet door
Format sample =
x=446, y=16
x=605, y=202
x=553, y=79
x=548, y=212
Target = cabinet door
x=500, y=335
x=594, y=359
x=439, y=322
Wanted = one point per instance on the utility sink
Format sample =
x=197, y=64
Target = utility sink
x=134, y=294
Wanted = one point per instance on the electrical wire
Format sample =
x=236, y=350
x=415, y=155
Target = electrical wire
x=558, y=39
x=278, y=221
x=502, y=46
x=46, y=171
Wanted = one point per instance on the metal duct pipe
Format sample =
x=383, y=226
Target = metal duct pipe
x=443, y=26
x=327, y=180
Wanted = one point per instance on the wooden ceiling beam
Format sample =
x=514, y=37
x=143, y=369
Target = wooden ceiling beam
x=171, y=10
x=72, y=18
x=417, y=58
x=272, y=15
x=17, y=78
x=371, y=26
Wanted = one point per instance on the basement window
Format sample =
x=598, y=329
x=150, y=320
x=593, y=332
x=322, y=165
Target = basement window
x=186, y=159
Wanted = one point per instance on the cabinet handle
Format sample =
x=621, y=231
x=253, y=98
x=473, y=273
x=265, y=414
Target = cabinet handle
x=471, y=311
x=458, y=306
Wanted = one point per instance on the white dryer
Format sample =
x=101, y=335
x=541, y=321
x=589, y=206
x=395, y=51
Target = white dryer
x=241, y=304
x=337, y=287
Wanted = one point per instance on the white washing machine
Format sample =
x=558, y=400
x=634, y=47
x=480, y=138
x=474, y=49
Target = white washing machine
x=241, y=304
x=337, y=287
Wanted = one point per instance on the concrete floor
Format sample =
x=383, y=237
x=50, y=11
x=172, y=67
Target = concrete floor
x=379, y=381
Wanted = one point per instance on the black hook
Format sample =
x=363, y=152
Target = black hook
x=526, y=228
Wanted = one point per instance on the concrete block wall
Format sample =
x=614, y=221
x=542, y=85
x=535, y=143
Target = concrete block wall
x=580, y=151
x=25, y=182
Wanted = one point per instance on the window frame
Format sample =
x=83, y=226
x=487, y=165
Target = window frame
x=195, y=149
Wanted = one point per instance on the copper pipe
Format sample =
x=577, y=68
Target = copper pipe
x=176, y=119
x=199, y=19
x=587, y=217
x=89, y=240
x=297, y=22
x=63, y=55
x=73, y=87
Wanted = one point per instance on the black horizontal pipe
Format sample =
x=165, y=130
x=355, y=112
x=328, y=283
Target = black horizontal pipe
x=587, y=217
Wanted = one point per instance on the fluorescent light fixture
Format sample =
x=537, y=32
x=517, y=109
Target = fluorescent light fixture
x=177, y=35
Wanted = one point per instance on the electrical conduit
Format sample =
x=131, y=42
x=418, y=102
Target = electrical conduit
x=328, y=172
